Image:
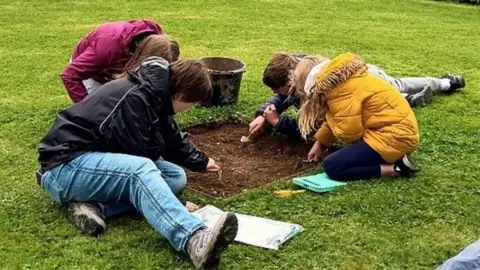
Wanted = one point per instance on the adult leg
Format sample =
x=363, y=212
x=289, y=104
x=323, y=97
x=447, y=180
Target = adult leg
x=356, y=161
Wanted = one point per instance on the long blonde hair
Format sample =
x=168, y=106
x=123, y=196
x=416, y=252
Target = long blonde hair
x=154, y=45
x=314, y=107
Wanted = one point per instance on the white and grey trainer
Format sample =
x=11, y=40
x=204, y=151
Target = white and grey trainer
x=86, y=217
x=421, y=98
x=206, y=245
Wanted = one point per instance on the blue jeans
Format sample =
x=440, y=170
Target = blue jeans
x=353, y=162
x=469, y=258
x=110, y=177
x=173, y=175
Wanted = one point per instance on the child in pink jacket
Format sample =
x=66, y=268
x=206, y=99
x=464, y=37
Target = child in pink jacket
x=112, y=49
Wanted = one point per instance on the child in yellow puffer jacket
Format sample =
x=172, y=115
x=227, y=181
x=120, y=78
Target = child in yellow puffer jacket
x=346, y=102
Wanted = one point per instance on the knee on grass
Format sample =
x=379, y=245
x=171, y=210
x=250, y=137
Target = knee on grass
x=333, y=168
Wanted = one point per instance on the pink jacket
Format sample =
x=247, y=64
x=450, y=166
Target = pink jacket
x=102, y=54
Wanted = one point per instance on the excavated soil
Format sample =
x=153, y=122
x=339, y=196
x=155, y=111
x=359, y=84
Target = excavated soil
x=244, y=166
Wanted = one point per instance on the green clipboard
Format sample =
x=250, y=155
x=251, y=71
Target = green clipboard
x=317, y=183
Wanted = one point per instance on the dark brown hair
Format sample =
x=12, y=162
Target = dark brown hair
x=279, y=70
x=190, y=81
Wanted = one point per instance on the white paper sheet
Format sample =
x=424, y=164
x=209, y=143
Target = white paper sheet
x=252, y=230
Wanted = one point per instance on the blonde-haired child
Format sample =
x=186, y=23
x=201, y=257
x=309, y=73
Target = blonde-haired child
x=344, y=101
x=278, y=76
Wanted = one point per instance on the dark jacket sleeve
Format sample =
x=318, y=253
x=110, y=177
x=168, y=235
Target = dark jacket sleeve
x=278, y=101
x=288, y=126
x=180, y=150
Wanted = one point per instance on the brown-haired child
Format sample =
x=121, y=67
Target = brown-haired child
x=121, y=145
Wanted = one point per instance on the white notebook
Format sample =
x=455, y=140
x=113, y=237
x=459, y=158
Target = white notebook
x=256, y=231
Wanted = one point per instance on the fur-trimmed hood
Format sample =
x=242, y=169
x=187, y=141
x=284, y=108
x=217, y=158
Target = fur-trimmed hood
x=339, y=70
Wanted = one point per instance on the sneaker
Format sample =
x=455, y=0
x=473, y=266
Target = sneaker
x=86, y=217
x=206, y=245
x=421, y=98
x=405, y=167
x=456, y=82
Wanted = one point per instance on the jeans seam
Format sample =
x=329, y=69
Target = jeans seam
x=53, y=179
x=149, y=194
x=115, y=173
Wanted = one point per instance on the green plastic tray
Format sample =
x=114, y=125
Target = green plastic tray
x=317, y=183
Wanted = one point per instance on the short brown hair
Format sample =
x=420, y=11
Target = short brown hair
x=190, y=81
x=154, y=45
x=279, y=70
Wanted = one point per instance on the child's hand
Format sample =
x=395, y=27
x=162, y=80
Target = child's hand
x=191, y=207
x=256, y=124
x=271, y=115
x=316, y=152
x=212, y=167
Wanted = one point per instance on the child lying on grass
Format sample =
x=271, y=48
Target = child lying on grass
x=278, y=77
x=122, y=145
x=346, y=102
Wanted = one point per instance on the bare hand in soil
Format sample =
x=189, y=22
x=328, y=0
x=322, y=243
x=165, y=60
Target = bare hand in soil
x=212, y=167
x=316, y=152
x=271, y=115
x=191, y=207
x=256, y=124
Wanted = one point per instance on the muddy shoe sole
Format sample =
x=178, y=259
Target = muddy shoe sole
x=225, y=237
x=421, y=99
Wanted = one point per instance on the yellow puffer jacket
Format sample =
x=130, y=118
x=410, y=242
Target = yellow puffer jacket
x=362, y=106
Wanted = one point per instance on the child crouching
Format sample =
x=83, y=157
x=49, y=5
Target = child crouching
x=359, y=109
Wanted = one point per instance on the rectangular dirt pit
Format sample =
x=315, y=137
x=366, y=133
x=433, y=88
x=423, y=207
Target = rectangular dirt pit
x=268, y=159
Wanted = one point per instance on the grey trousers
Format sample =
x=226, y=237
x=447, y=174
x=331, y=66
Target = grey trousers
x=410, y=86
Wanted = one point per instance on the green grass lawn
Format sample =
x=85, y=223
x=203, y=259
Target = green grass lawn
x=383, y=224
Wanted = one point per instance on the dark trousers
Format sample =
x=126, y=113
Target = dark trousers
x=356, y=161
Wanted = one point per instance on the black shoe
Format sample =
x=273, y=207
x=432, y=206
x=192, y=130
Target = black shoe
x=421, y=98
x=206, y=245
x=86, y=217
x=456, y=82
x=405, y=167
